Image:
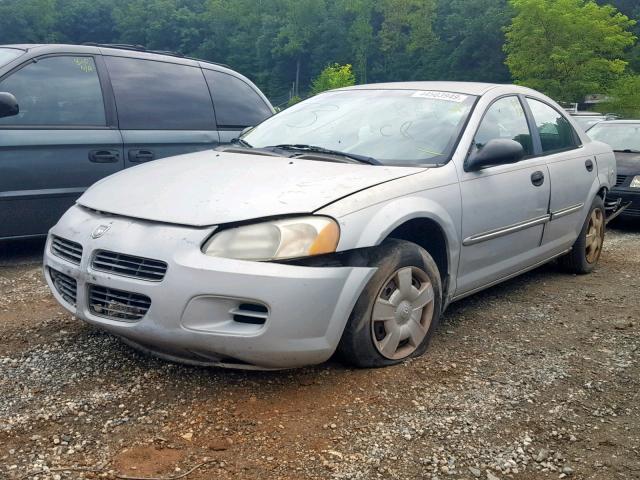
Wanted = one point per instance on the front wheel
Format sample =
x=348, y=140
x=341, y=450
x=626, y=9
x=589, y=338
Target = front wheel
x=397, y=312
x=586, y=250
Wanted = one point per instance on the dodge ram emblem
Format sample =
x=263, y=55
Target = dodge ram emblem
x=100, y=231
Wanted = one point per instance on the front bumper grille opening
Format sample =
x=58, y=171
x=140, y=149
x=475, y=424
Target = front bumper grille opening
x=129, y=265
x=251, y=313
x=117, y=304
x=66, y=249
x=66, y=286
x=620, y=179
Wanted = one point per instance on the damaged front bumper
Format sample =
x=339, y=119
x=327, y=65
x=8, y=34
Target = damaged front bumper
x=203, y=310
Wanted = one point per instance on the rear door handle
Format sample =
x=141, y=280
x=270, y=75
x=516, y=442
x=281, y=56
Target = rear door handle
x=537, y=178
x=138, y=155
x=104, y=156
x=589, y=165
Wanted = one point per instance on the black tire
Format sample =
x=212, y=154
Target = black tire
x=357, y=345
x=578, y=260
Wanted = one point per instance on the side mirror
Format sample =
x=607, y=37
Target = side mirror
x=8, y=105
x=499, y=151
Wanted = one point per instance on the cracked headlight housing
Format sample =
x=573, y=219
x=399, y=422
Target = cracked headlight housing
x=276, y=240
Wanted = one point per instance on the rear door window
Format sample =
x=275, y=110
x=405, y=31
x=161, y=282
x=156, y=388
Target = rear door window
x=56, y=91
x=556, y=133
x=153, y=95
x=237, y=104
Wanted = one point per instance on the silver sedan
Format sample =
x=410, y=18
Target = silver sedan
x=346, y=223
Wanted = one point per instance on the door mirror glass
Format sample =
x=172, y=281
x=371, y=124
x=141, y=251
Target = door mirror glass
x=498, y=151
x=8, y=105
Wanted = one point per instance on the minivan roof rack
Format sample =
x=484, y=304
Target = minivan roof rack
x=142, y=48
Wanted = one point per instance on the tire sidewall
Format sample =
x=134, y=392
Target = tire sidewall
x=580, y=247
x=357, y=344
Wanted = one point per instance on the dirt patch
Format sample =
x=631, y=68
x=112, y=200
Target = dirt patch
x=537, y=378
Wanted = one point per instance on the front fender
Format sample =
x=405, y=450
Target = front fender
x=371, y=225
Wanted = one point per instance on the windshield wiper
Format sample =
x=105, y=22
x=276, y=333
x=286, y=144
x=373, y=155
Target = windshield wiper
x=627, y=150
x=314, y=149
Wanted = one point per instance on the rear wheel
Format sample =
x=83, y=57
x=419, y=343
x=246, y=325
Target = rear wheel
x=587, y=249
x=396, y=314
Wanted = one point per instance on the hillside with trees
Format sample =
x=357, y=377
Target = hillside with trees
x=283, y=45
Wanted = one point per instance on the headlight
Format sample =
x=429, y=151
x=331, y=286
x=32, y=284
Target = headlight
x=635, y=183
x=278, y=239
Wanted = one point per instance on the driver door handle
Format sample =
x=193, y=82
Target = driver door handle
x=537, y=178
x=104, y=156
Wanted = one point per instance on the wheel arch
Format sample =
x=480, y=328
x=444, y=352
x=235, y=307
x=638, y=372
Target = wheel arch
x=416, y=219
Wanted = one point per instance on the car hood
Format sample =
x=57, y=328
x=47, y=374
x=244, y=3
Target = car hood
x=212, y=187
x=628, y=163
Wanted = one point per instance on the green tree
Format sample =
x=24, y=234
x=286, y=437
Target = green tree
x=567, y=48
x=333, y=76
x=470, y=40
x=27, y=21
x=300, y=22
x=405, y=36
x=630, y=8
x=624, y=97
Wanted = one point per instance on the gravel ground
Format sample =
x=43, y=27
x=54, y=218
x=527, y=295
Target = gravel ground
x=537, y=378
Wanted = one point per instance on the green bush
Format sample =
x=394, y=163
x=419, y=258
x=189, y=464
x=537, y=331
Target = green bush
x=333, y=76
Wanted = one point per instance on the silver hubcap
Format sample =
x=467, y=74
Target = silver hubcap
x=402, y=313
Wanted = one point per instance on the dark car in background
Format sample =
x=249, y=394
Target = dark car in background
x=624, y=138
x=88, y=111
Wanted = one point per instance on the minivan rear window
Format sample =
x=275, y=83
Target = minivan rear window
x=237, y=104
x=8, y=54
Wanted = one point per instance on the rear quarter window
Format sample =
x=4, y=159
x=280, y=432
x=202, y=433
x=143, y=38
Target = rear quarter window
x=152, y=95
x=236, y=103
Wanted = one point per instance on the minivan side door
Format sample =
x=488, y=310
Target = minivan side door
x=63, y=140
x=504, y=207
x=164, y=108
x=573, y=175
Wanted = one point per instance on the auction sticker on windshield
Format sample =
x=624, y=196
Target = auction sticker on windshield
x=448, y=96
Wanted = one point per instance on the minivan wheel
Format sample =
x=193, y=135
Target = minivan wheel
x=586, y=250
x=397, y=312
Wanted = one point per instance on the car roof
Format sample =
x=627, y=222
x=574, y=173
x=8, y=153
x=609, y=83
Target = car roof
x=134, y=51
x=467, y=88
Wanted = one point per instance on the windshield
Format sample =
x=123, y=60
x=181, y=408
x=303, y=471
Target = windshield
x=621, y=136
x=396, y=127
x=8, y=54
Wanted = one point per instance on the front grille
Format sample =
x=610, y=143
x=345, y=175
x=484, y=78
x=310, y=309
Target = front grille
x=63, y=248
x=117, y=304
x=620, y=179
x=129, y=265
x=66, y=286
